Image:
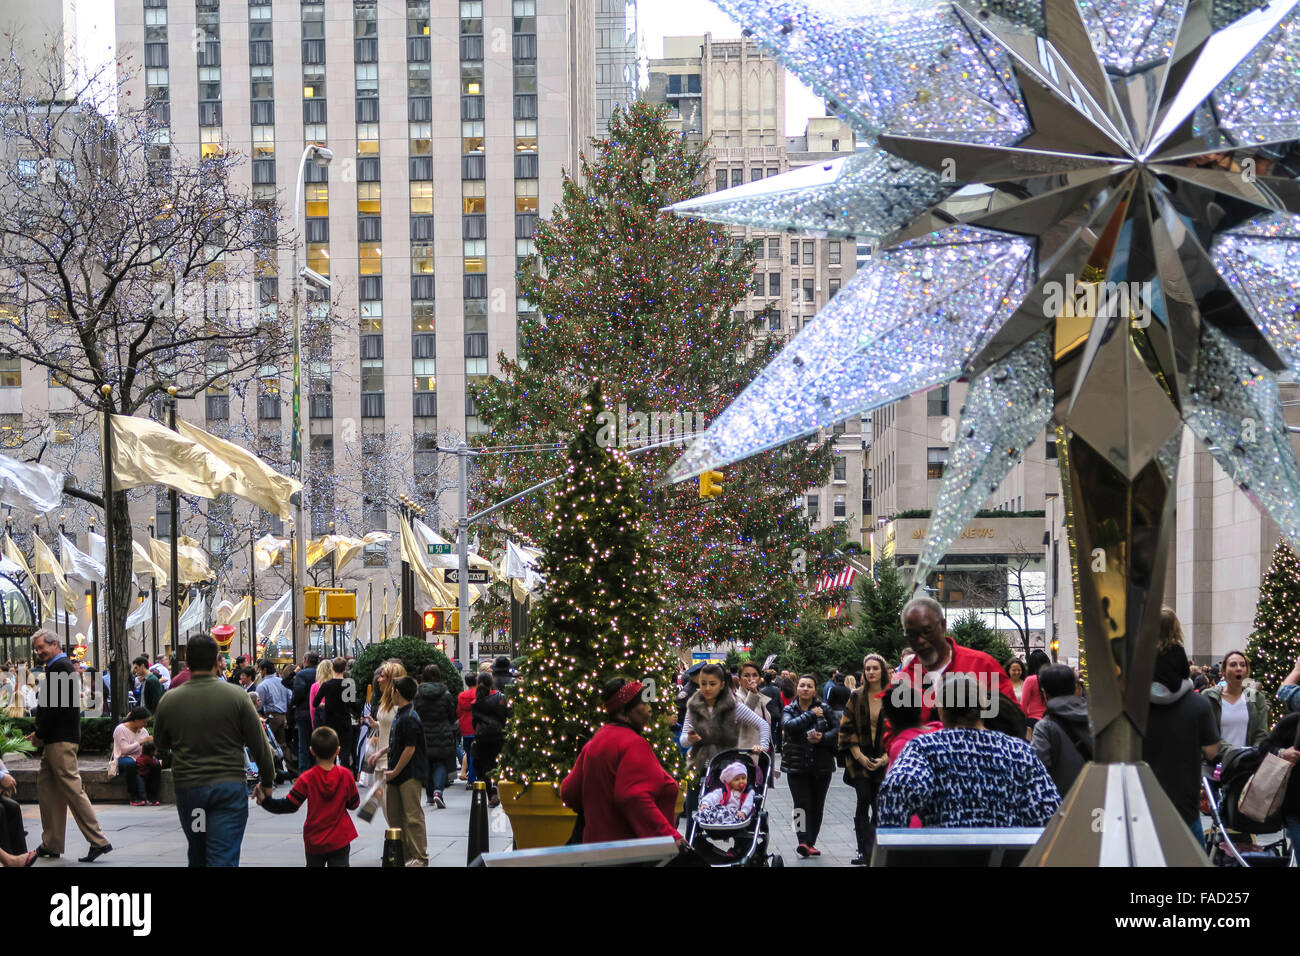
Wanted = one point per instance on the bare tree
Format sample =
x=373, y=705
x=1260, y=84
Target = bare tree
x=1020, y=594
x=124, y=267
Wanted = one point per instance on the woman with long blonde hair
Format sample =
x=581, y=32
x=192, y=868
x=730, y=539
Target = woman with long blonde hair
x=382, y=722
x=324, y=672
x=862, y=729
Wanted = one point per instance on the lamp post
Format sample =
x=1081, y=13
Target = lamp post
x=153, y=590
x=321, y=157
x=173, y=518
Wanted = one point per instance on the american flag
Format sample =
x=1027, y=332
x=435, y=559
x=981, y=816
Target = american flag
x=831, y=582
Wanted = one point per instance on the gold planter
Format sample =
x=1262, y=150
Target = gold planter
x=538, y=818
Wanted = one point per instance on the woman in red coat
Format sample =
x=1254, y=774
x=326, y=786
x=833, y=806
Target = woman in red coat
x=618, y=784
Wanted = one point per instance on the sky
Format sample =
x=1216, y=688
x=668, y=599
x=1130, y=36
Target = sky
x=655, y=20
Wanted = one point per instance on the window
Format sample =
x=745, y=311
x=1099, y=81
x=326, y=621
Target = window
x=936, y=402
x=832, y=288
x=371, y=256
x=422, y=259
x=936, y=459
x=774, y=284
x=318, y=257
x=722, y=179
x=737, y=177
x=425, y=374
x=774, y=320
x=840, y=468
x=814, y=508
x=807, y=290
x=808, y=248
x=317, y=198
x=367, y=79
x=755, y=175
x=421, y=198
x=368, y=199
x=1050, y=448
x=758, y=283
x=11, y=372
x=841, y=508
x=834, y=252
x=372, y=375
x=418, y=82
x=64, y=427
x=794, y=252
x=526, y=195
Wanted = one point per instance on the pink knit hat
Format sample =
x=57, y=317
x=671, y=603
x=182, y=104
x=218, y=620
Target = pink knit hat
x=733, y=770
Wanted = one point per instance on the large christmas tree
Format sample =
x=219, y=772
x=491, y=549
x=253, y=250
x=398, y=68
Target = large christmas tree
x=649, y=303
x=601, y=618
x=1275, y=643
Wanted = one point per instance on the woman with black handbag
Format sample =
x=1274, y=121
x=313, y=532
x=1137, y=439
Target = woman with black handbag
x=862, y=729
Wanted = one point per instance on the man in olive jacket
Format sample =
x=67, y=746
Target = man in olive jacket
x=206, y=724
x=58, y=732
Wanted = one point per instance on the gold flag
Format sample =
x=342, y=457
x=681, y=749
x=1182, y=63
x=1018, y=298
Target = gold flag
x=15, y=554
x=249, y=477
x=147, y=453
x=47, y=563
x=191, y=562
x=427, y=579
x=47, y=604
x=268, y=550
x=345, y=549
x=141, y=563
x=317, y=548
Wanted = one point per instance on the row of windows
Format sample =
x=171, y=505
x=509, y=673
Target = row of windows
x=814, y=507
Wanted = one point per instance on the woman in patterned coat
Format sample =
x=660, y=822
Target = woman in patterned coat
x=967, y=775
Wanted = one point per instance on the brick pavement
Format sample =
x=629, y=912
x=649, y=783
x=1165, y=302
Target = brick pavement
x=837, y=842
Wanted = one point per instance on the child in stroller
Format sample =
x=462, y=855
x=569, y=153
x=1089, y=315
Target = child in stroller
x=731, y=826
x=733, y=802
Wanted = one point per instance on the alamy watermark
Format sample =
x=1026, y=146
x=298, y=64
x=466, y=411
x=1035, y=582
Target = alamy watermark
x=1101, y=299
x=624, y=428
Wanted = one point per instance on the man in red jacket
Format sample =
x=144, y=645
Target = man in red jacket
x=938, y=654
x=617, y=783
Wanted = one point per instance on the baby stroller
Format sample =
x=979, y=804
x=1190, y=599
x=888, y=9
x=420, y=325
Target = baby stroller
x=743, y=843
x=1232, y=837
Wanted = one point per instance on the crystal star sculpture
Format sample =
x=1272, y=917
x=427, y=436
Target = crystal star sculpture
x=1088, y=210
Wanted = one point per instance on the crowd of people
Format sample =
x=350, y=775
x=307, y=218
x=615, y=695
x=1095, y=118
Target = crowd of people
x=944, y=737
x=230, y=731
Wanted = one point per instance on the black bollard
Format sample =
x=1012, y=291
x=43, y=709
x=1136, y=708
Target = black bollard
x=478, y=823
x=394, y=854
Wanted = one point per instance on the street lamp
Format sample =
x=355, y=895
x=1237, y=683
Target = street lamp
x=321, y=157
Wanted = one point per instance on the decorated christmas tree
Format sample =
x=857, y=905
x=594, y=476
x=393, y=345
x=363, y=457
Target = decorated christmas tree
x=601, y=618
x=652, y=304
x=1275, y=643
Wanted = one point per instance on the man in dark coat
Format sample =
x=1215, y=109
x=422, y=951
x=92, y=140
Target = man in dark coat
x=151, y=688
x=502, y=677
x=436, y=706
x=300, y=707
x=1063, y=736
x=58, y=730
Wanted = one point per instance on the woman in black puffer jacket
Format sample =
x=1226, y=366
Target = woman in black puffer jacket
x=436, y=706
x=491, y=713
x=809, y=727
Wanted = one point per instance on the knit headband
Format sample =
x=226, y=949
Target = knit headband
x=623, y=697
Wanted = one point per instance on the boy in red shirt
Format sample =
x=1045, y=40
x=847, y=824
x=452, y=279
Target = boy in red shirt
x=330, y=792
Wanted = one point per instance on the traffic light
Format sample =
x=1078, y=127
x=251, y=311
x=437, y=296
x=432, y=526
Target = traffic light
x=710, y=484
x=433, y=621
x=1056, y=646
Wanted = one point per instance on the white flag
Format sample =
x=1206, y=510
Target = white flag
x=139, y=614
x=30, y=487
x=78, y=564
x=194, y=614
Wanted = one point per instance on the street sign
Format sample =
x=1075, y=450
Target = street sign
x=439, y=548
x=476, y=576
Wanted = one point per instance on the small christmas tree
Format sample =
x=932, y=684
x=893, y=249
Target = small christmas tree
x=1275, y=643
x=601, y=618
